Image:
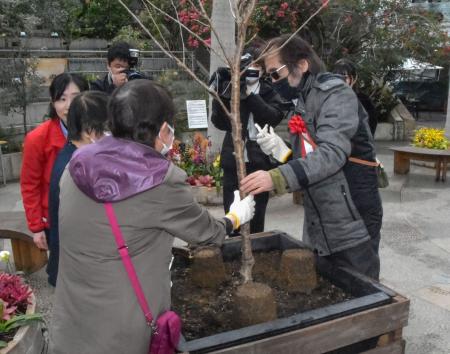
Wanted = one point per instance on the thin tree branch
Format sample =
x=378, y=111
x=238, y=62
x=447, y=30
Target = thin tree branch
x=156, y=25
x=264, y=52
x=177, y=60
x=183, y=26
x=181, y=31
x=213, y=30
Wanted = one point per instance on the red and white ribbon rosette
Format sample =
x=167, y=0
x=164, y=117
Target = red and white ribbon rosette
x=297, y=126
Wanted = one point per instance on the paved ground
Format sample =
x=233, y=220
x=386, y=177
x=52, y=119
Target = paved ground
x=415, y=247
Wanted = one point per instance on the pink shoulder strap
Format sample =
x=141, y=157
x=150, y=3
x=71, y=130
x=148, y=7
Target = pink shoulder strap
x=123, y=251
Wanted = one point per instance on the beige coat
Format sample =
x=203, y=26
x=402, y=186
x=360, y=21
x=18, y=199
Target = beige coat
x=96, y=310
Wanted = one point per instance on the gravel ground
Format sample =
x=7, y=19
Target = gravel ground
x=43, y=291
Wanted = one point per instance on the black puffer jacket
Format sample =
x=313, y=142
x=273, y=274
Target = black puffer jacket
x=266, y=108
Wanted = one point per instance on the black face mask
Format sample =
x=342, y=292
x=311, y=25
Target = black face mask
x=285, y=90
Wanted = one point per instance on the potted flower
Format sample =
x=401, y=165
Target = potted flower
x=19, y=324
x=202, y=168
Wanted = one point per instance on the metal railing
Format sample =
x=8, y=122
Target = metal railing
x=94, y=61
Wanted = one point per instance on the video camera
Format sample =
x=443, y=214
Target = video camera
x=131, y=72
x=220, y=80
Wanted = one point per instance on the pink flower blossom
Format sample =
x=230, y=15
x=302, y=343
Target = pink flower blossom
x=280, y=13
x=284, y=6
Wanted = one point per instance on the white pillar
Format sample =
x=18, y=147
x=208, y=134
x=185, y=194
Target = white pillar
x=447, y=120
x=224, y=25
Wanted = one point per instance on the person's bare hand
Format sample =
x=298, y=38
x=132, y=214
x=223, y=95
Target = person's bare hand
x=257, y=182
x=40, y=240
x=119, y=79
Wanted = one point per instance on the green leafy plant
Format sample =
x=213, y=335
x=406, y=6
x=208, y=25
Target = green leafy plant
x=382, y=97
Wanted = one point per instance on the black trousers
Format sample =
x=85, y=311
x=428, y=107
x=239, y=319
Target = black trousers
x=365, y=195
x=53, y=259
x=361, y=258
x=230, y=184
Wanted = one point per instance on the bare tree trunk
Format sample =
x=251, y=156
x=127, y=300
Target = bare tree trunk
x=25, y=129
x=24, y=103
x=242, y=20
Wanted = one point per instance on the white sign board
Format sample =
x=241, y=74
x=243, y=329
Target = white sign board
x=196, y=112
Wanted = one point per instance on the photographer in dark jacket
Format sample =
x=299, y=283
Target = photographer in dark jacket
x=118, y=64
x=259, y=104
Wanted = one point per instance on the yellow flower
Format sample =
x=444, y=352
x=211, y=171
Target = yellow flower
x=216, y=162
x=430, y=138
x=4, y=256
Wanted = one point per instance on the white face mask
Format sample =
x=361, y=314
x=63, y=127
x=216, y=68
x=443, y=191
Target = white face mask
x=253, y=80
x=165, y=149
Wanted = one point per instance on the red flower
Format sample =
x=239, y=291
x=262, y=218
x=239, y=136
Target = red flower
x=297, y=124
x=284, y=6
x=280, y=13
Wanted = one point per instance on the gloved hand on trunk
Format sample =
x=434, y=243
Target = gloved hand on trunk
x=241, y=211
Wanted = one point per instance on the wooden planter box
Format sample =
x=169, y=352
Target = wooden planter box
x=28, y=339
x=207, y=195
x=376, y=314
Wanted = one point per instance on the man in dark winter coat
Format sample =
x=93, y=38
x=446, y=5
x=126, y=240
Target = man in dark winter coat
x=333, y=159
x=118, y=55
x=346, y=68
x=261, y=105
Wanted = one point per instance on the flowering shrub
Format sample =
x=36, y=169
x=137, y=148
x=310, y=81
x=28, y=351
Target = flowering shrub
x=14, y=299
x=201, y=166
x=284, y=16
x=430, y=138
x=190, y=16
x=272, y=18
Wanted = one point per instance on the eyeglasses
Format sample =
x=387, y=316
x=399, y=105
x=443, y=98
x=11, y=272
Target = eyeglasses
x=274, y=74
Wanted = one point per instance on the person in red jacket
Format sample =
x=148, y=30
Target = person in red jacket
x=41, y=146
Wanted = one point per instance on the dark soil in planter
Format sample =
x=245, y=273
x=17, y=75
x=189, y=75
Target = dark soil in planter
x=205, y=312
x=7, y=337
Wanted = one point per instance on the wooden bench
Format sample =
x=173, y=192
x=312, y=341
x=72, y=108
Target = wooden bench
x=27, y=257
x=403, y=155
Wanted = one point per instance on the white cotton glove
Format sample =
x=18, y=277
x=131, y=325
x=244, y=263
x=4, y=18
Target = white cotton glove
x=241, y=211
x=271, y=144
